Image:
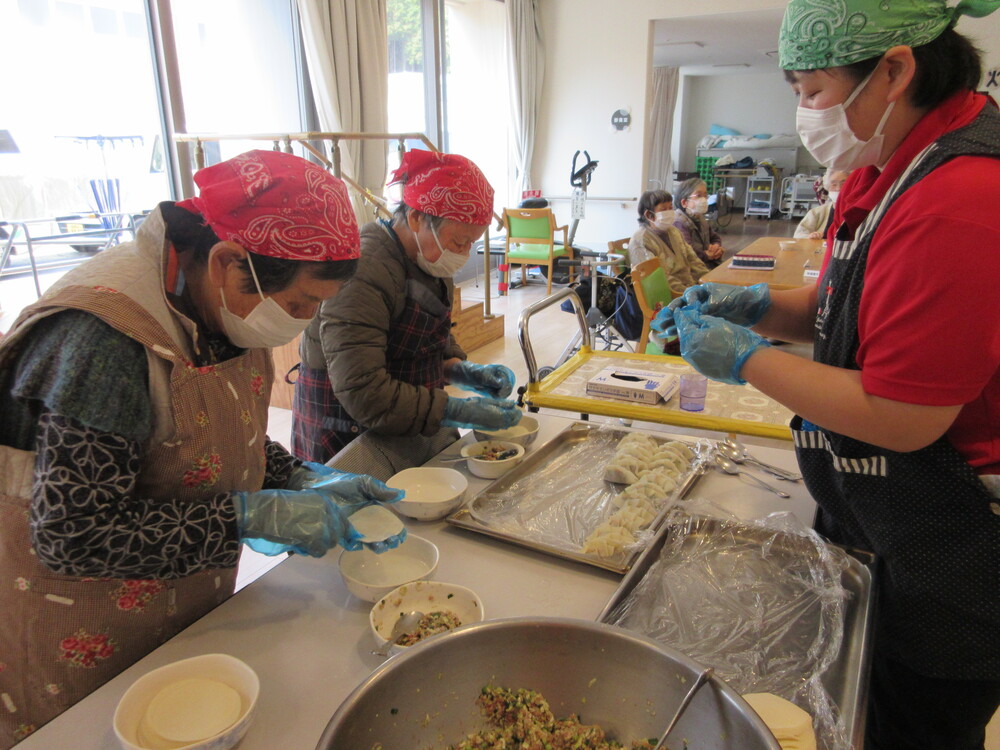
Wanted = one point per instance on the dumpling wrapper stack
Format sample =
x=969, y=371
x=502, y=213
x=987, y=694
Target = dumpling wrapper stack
x=791, y=726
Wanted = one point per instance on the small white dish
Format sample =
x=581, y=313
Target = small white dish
x=432, y=492
x=371, y=576
x=491, y=468
x=426, y=597
x=523, y=433
x=203, y=703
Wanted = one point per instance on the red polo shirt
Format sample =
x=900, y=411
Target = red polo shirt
x=929, y=320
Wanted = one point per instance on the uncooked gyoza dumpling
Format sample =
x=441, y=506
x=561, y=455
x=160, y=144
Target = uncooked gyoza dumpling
x=608, y=540
x=636, y=449
x=674, y=464
x=642, y=490
x=634, y=438
x=619, y=474
x=633, y=516
x=685, y=452
x=633, y=463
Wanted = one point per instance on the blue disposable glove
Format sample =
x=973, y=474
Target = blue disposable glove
x=493, y=381
x=742, y=305
x=715, y=347
x=480, y=413
x=314, y=520
x=307, y=474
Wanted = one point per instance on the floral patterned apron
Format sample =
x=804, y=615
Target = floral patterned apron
x=61, y=637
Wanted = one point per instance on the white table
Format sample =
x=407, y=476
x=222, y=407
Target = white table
x=309, y=641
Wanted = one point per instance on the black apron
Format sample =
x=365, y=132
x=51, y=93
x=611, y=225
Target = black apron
x=926, y=514
x=415, y=349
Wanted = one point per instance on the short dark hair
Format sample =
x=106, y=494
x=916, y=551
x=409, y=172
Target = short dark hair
x=650, y=200
x=189, y=233
x=945, y=66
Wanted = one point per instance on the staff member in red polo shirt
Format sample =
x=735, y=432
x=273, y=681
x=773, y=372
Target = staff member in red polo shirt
x=899, y=429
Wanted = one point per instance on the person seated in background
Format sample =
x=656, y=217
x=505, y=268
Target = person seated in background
x=692, y=198
x=657, y=237
x=816, y=222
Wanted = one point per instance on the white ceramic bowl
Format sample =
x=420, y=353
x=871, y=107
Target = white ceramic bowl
x=432, y=492
x=426, y=597
x=370, y=576
x=491, y=469
x=137, y=727
x=524, y=432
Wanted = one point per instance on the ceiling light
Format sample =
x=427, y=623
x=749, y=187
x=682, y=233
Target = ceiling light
x=731, y=65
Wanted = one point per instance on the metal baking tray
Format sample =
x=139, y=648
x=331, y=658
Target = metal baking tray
x=561, y=445
x=846, y=679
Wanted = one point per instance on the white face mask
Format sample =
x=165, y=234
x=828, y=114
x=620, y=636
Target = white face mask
x=832, y=194
x=697, y=205
x=447, y=265
x=664, y=219
x=267, y=325
x=829, y=138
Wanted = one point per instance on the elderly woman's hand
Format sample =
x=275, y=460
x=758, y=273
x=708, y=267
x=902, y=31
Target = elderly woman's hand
x=815, y=236
x=714, y=251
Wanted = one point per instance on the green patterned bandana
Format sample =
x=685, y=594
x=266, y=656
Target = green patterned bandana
x=819, y=34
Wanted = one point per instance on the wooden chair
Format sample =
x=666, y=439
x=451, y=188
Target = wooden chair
x=620, y=247
x=652, y=290
x=531, y=241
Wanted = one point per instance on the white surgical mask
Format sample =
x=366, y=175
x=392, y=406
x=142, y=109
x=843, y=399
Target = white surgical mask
x=832, y=194
x=697, y=205
x=829, y=138
x=447, y=265
x=267, y=325
x=664, y=219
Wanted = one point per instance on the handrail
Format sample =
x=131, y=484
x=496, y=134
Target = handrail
x=283, y=142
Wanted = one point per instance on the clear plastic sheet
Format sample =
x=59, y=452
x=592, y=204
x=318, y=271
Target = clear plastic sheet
x=563, y=501
x=760, y=601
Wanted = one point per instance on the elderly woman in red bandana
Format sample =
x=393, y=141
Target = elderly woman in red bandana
x=134, y=456
x=376, y=359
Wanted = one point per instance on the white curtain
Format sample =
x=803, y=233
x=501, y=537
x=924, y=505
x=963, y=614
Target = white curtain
x=661, y=126
x=347, y=53
x=526, y=62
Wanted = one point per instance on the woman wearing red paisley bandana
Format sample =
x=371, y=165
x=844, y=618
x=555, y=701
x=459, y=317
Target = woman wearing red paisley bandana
x=134, y=458
x=385, y=344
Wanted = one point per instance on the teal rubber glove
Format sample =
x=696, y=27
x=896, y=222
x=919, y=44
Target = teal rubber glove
x=307, y=474
x=312, y=521
x=742, y=305
x=493, y=381
x=715, y=347
x=480, y=413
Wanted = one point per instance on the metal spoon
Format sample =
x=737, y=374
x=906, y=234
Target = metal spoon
x=733, y=454
x=404, y=624
x=702, y=679
x=731, y=468
x=777, y=471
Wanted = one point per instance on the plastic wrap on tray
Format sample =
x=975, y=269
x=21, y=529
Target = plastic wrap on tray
x=563, y=502
x=760, y=601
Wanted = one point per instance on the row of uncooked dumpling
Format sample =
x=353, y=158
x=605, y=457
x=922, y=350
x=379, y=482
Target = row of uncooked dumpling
x=651, y=470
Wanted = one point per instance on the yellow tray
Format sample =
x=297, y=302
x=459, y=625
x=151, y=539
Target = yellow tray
x=740, y=409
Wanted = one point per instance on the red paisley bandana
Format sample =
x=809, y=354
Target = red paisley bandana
x=277, y=204
x=445, y=185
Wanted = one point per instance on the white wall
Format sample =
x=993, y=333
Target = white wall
x=597, y=60
x=750, y=104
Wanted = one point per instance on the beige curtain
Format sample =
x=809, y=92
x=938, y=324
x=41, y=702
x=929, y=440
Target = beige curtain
x=347, y=54
x=661, y=126
x=526, y=61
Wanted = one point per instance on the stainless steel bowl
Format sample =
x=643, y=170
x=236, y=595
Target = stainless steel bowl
x=627, y=683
